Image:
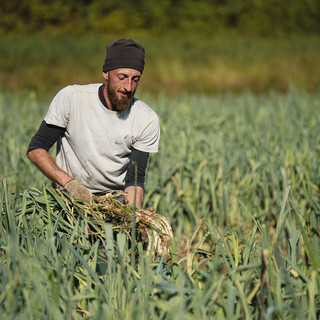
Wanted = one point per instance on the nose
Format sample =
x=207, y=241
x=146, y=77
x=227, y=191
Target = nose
x=128, y=85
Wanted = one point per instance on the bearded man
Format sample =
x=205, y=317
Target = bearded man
x=104, y=134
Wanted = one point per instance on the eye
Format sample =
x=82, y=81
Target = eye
x=136, y=79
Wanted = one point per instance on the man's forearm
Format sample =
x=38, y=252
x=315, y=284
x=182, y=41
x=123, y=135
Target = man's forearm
x=132, y=193
x=44, y=162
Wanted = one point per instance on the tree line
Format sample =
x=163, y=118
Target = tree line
x=251, y=17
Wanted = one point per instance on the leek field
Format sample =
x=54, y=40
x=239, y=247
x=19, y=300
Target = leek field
x=237, y=176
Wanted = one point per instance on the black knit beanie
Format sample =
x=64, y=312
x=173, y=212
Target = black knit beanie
x=124, y=54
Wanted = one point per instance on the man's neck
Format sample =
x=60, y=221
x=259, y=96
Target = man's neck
x=102, y=96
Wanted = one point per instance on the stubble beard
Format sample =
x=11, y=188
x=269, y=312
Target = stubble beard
x=116, y=103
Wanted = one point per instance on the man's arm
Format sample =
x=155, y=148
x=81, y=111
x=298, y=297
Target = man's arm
x=134, y=181
x=46, y=136
x=38, y=153
x=44, y=162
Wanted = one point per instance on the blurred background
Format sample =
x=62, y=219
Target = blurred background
x=198, y=46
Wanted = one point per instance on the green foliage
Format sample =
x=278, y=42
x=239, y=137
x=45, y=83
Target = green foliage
x=238, y=179
x=200, y=17
x=210, y=65
x=217, y=151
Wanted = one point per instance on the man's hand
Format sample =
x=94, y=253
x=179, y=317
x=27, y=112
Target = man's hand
x=78, y=191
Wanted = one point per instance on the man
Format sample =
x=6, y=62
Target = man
x=104, y=134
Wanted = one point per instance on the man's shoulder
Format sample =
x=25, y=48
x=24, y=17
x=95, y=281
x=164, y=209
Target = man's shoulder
x=81, y=88
x=141, y=107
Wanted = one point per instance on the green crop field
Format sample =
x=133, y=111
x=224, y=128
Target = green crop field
x=236, y=176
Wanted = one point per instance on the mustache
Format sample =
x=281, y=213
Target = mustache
x=129, y=94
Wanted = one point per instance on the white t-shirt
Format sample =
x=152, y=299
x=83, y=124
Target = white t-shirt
x=97, y=142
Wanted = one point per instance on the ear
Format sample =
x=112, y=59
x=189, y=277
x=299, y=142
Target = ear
x=105, y=75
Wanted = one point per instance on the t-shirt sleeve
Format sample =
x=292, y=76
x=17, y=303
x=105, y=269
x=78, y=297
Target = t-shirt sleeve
x=150, y=136
x=59, y=110
x=138, y=159
x=46, y=136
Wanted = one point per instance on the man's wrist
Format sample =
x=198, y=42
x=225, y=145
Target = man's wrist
x=64, y=185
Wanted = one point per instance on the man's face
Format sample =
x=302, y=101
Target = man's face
x=120, y=87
